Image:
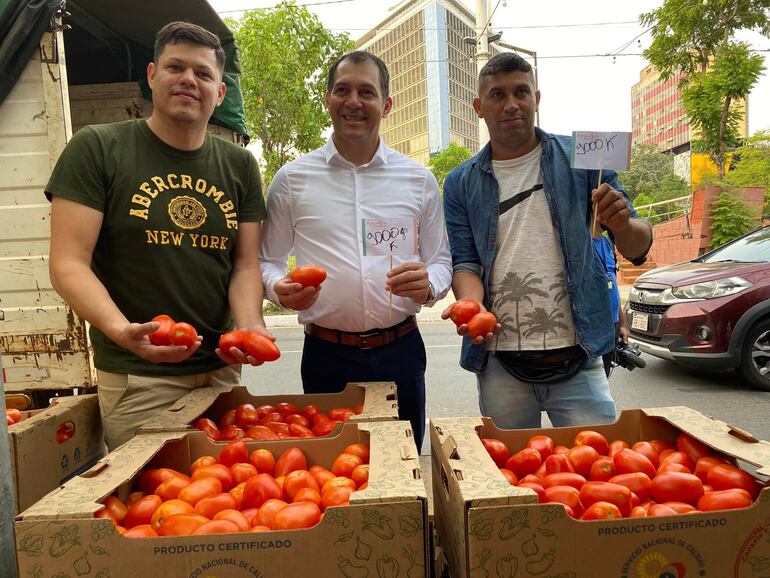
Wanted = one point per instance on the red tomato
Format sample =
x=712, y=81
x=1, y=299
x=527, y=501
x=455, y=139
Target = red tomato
x=627, y=461
x=162, y=335
x=297, y=480
x=497, y=450
x=231, y=432
x=298, y=418
x=212, y=505
x=264, y=460
x=560, y=450
x=582, y=457
x=217, y=527
x=509, y=475
x=268, y=510
x=242, y=472
x=360, y=450
x=564, y=479
x=601, y=511
x=678, y=458
x=594, y=439
x=335, y=496
x=260, y=347
x=199, y=489
x=140, y=531
x=524, y=462
x=321, y=475
x=566, y=495
x=218, y=471
x=310, y=411
x=542, y=444
x=233, y=453
x=203, y=461
x=183, y=334
x=648, y=451
x=168, y=509
x=338, y=413
x=259, y=489
x=727, y=476
x=696, y=449
x=704, y=464
x=724, y=500
x=227, y=418
x=344, y=464
x=246, y=416
x=14, y=414
x=616, y=446
x=232, y=339
x=308, y=275
x=298, y=430
x=152, y=478
x=680, y=507
x=279, y=427
x=264, y=410
x=286, y=408
x=116, y=507
x=661, y=445
x=234, y=516
x=637, y=482
x=64, y=432
x=308, y=495
x=261, y=432
x=602, y=469
x=181, y=524
x=620, y=496
x=676, y=487
x=462, y=311
x=292, y=459
x=638, y=512
x=105, y=514
x=141, y=511
x=537, y=488
x=558, y=463
x=208, y=426
x=673, y=467
x=660, y=510
x=170, y=488
x=481, y=324
x=297, y=515
x=273, y=416
x=324, y=428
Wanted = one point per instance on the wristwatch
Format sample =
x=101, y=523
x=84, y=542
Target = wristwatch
x=431, y=293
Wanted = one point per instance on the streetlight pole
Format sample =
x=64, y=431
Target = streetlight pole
x=482, y=56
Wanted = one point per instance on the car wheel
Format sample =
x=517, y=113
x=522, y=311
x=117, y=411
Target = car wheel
x=755, y=356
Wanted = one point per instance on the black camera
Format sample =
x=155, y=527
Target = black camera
x=628, y=356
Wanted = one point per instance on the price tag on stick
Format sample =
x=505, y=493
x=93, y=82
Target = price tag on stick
x=389, y=237
x=600, y=150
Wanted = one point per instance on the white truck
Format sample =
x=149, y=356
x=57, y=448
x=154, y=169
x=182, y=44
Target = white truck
x=87, y=69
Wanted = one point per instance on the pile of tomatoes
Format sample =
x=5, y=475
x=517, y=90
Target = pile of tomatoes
x=12, y=416
x=468, y=312
x=599, y=480
x=238, y=492
x=282, y=421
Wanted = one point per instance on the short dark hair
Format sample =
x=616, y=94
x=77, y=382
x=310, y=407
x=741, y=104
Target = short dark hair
x=505, y=62
x=189, y=33
x=360, y=57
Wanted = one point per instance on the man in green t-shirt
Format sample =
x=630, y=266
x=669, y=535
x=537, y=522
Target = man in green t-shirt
x=155, y=217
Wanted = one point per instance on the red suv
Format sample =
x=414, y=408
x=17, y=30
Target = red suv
x=712, y=312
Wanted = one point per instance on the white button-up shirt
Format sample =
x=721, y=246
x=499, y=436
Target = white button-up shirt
x=317, y=205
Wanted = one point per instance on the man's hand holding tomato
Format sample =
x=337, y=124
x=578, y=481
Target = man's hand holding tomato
x=457, y=311
x=232, y=351
x=135, y=337
x=300, y=288
x=409, y=280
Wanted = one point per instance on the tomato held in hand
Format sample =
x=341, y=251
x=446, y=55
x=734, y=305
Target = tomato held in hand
x=183, y=334
x=481, y=324
x=463, y=311
x=308, y=275
x=231, y=339
x=260, y=347
x=162, y=335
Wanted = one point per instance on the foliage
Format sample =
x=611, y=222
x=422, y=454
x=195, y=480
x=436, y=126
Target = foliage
x=285, y=53
x=751, y=165
x=443, y=162
x=731, y=218
x=696, y=38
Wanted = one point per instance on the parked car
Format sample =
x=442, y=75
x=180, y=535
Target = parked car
x=712, y=312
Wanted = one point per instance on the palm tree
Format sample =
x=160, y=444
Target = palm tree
x=560, y=288
x=507, y=325
x=541, y=321
x=517, y=289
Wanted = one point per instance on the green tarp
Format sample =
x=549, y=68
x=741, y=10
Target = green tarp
x=112, y=41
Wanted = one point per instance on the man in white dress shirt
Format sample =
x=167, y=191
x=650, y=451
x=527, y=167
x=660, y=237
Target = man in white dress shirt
x=319, y=206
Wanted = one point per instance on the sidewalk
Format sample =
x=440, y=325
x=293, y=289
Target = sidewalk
x=426, y=314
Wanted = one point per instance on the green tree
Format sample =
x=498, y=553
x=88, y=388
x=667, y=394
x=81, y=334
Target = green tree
x=730, y=218
x=697, y=38
x=652, y=173
x=441, y=163
x=285, y=53
x=751, y=165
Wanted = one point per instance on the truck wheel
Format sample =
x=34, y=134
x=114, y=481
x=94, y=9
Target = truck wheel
x=755, y=356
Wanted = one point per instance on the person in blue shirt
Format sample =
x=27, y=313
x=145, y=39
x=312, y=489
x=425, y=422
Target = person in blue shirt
x=518, y=219
x=606, y=252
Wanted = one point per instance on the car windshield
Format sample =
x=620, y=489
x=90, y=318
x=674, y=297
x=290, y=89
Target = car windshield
x=754, y=247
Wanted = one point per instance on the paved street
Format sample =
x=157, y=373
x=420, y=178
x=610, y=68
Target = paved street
x=451, y=391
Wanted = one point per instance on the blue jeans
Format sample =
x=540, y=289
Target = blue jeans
x=328, y=367
x=583, y=399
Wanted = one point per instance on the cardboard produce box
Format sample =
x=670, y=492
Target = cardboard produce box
x=486, y=527
x=50, y=445
x=378, y=398
x=382, y=533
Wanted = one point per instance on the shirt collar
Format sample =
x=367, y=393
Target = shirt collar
x=380, y=156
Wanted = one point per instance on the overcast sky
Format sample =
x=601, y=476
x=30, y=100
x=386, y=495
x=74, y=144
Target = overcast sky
x=577, y=92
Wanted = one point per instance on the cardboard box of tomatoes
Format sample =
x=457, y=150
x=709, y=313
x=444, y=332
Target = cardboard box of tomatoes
x=50, y=445
x=372, y=401
x=487, y=526
x=383, y=531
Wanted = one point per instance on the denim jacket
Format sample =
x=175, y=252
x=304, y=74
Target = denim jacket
x=471, y=209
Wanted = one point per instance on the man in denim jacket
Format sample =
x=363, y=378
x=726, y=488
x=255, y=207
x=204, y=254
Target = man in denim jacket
x=519, y=218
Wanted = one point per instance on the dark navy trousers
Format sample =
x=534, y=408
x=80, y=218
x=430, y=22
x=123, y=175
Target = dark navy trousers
x=327, y=367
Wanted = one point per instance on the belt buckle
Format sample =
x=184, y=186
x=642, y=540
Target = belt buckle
x=364, y=336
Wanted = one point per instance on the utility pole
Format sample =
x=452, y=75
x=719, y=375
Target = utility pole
x=482, y=56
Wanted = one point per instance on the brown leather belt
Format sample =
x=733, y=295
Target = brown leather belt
x=366, y=340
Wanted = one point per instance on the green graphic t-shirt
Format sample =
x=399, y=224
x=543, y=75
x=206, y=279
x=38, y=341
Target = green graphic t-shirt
x=168, y=237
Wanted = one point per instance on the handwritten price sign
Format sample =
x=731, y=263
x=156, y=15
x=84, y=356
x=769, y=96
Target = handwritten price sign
x=601, y=150
x=389, y=237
